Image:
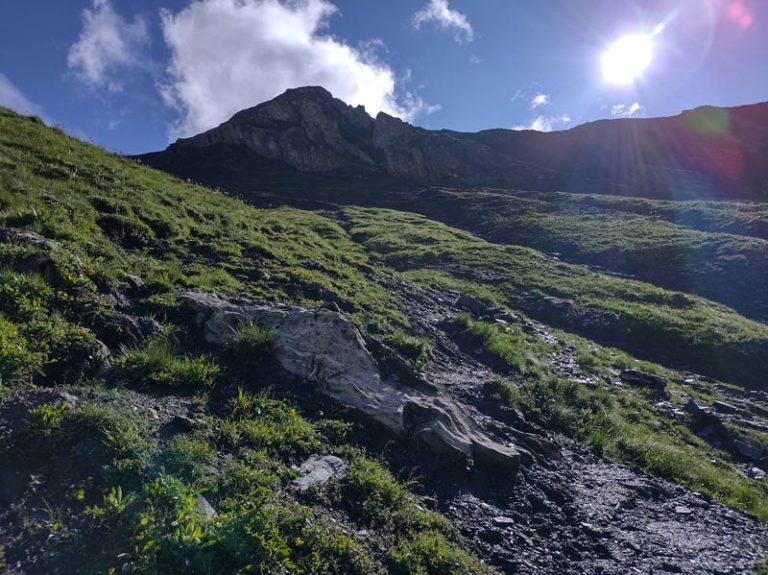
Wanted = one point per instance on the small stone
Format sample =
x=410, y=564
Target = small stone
x=525, y=539
x=184, y=422
x=331, y=305
x=643, y=379
x=204, y=508
x=708, y=431
x=756, y=473
x=493, y=536
x=33, y=239
x=723, y=407
x=134, y=281
x=694, y=408
x=671, y=567
x=593, y=531
x=682, y=510
x=502, y=521
x=68, y=398
x=318, y=470
x=153, y=413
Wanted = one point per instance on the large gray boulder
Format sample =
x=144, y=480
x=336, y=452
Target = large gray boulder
x=325, y=349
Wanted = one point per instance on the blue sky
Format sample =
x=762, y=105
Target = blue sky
x=133, y=75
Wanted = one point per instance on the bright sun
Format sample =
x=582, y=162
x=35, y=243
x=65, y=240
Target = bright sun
x=627, y=58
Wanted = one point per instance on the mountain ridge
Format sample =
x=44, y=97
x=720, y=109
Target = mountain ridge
x=707, y=152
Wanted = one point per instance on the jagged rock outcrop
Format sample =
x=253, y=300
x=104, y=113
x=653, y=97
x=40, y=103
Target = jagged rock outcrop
x=716, y=152
x=325, y=349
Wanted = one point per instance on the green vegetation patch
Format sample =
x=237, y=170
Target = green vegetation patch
x=117, y=471
x=665, y=326
x=156, y=364
x=682, y=246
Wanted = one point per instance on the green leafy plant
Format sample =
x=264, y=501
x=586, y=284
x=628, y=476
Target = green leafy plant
x=115, y=503
x=45, y=419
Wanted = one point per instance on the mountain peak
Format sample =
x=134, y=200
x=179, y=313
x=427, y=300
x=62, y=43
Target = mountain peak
x=317, y=92
x=306, y=128
x=707, y=152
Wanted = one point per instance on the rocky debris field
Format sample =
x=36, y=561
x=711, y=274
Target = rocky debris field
x=582, y=514
x=574, y=512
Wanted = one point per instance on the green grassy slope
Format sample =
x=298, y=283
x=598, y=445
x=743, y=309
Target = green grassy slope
x=694, y=247
x=666, y=326
x=741, y=218
x=114, y=476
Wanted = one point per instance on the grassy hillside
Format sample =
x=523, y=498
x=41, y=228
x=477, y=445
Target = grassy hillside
x=716, y=250
x=127, y=474
x=670, y=327
x=102, y=467
x=741, y=218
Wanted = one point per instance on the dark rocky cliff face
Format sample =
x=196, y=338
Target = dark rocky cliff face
x=306, y=128
x=707, y=152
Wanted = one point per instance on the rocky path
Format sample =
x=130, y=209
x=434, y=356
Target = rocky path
x=577, y=513
x=585, y=515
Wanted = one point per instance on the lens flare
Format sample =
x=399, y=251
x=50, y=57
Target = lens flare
x=627, y=59
x=740, y=14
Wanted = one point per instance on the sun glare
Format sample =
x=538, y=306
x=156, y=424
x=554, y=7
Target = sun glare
x=627, y=59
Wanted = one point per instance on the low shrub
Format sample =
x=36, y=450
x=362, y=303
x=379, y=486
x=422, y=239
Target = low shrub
x=503, y=390
x=18, y=361
x=189, y=458
x=250, y=348
x=126, y=231
x=262, y=422
x=430, y=553
x=156, y=364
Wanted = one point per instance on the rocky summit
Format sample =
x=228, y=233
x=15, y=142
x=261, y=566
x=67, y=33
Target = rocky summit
x=708, y=152
x=369, y=348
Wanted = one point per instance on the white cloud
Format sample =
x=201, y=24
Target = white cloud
x=440, y=13
x=542, y=124
x=13, y=98
x=539, y=100
x=546, y=123
x=625, y=110
x=227, y=55
x=108, y=45
x=416, y=106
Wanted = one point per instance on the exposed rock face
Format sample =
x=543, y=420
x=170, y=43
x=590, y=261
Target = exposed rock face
x=308, y=130
x=703, y=152
x=325, y=349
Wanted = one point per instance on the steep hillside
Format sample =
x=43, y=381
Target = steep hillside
x=703, y=153
x=716, y=251
x=190, y=384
